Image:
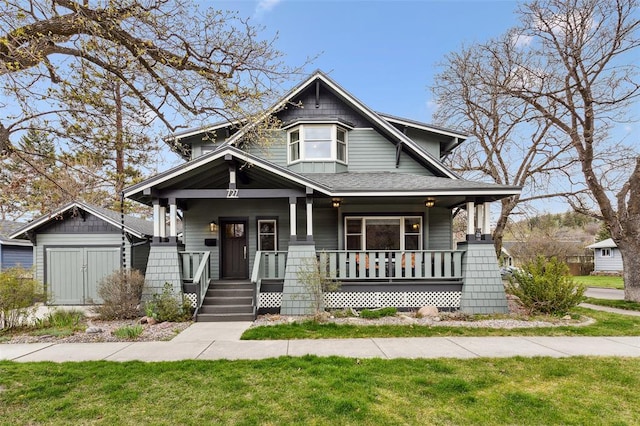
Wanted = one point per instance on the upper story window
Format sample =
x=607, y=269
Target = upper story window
x=317, y=142
x=605, y=252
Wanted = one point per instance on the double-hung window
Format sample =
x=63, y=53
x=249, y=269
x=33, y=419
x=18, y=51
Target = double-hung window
x=317, y=142
x=267, y=235
x=383, y=233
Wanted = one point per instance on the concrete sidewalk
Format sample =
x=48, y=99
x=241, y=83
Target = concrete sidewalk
x=210, y=341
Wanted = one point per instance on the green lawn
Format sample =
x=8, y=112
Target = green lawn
x=600, y=281
x=606, y=324
x=620, y=304
x=319, y=391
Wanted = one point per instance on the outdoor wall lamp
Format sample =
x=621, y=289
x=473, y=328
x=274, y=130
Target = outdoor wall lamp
x=213, y=227
x=335, y=203
x=430, y=202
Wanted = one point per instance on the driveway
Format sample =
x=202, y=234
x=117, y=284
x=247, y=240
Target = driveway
x=604, y=293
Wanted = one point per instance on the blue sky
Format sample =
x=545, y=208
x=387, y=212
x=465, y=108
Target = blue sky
x=383, y=52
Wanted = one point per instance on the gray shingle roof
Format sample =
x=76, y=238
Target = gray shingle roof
x=134, y=225
x=387, y=181
x=7, y=227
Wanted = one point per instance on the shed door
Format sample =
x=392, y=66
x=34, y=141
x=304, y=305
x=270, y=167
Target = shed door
x=65, y=276
x=73, y=274
x=100, y=261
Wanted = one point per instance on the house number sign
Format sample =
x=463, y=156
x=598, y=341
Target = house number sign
x=232, y=193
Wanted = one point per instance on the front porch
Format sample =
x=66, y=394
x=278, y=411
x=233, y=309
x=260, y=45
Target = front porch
x=368, y=279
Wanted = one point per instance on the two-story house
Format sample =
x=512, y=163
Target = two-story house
x=365, y=193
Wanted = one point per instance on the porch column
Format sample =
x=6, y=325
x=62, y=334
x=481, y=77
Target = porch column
x=163, y=222
x=292, y=218
x=471, y=216
x=486, y=224
x=173, y=220
x=156, y=220
x=309, y=218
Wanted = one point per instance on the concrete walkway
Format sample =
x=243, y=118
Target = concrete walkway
x=210, y=341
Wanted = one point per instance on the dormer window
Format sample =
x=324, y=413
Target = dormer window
x=317, y=142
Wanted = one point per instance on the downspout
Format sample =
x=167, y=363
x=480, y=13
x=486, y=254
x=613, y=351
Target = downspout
x=123, y=261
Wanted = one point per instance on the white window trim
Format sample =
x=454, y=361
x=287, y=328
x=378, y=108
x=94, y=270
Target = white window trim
x=363, y=235
x=302, y=143
x=606, y=252
x=275, y=233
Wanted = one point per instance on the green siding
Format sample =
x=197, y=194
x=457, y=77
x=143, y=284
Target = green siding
x=440, y=229
x=429, y=144
x=201, y=212
x=325, y=228
x=369, y=151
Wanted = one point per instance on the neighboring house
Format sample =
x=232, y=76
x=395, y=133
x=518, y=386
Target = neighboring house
x=365, y=193
x=79, y=244
x=14, y=252
x=606, y=256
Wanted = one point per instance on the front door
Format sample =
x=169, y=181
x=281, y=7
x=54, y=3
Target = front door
x=234, y=256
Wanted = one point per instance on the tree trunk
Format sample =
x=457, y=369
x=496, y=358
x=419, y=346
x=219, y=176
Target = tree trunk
x=629, y=250
x=119, y=143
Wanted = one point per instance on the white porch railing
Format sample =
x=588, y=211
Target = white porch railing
x=372, y=265
x=195, y=269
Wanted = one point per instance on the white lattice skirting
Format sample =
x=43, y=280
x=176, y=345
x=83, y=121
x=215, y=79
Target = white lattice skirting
x=376, y=299
x=193, y=298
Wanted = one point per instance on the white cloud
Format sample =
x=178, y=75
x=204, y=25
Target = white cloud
x=521, y=40
x=265, y=6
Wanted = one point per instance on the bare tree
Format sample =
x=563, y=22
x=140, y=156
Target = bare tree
x=573, y=62
x=512, y=145
x=185, y=66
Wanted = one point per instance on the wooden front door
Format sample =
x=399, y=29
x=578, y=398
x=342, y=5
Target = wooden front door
x=235, y=256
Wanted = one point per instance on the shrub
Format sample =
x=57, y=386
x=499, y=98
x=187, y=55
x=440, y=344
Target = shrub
x=18, y=295
x=378, y=313
x=121, y=293
x=128, y=331
x=317, y=280
x=545, y=287
x=62, y=318
x=168, y=306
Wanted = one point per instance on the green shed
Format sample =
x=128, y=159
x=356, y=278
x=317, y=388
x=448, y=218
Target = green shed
x=79, y=244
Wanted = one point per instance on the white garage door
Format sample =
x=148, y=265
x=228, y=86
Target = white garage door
x=73, y=273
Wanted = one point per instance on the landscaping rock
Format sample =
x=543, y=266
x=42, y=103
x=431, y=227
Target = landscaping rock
x=427, y=311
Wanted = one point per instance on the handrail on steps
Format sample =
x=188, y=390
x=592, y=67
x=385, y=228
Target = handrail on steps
x=201, y=276
x=256, y=280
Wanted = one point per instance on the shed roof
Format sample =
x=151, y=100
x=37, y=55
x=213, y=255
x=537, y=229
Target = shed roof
x=7, y=227
x=139, y=227
x=608, y=243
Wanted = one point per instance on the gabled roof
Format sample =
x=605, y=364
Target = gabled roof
x=135, y=226
x=380, y=122
x=356, y=184
x=209, y=158
x=608, y=243
x=7, y=227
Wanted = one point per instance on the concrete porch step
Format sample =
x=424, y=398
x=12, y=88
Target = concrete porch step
x=229, y=293
x=224, y=317
x=228, y=300
x=226, y=309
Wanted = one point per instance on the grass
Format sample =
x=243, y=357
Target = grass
x=600, y=281
x=59, y=322
x=620, y=304
x=606, y=324
x=129, y=331
x=318, y=391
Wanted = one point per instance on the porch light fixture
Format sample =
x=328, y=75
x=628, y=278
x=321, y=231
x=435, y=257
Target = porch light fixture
x=213, y=227
x=430, y=202
x=335, y=203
